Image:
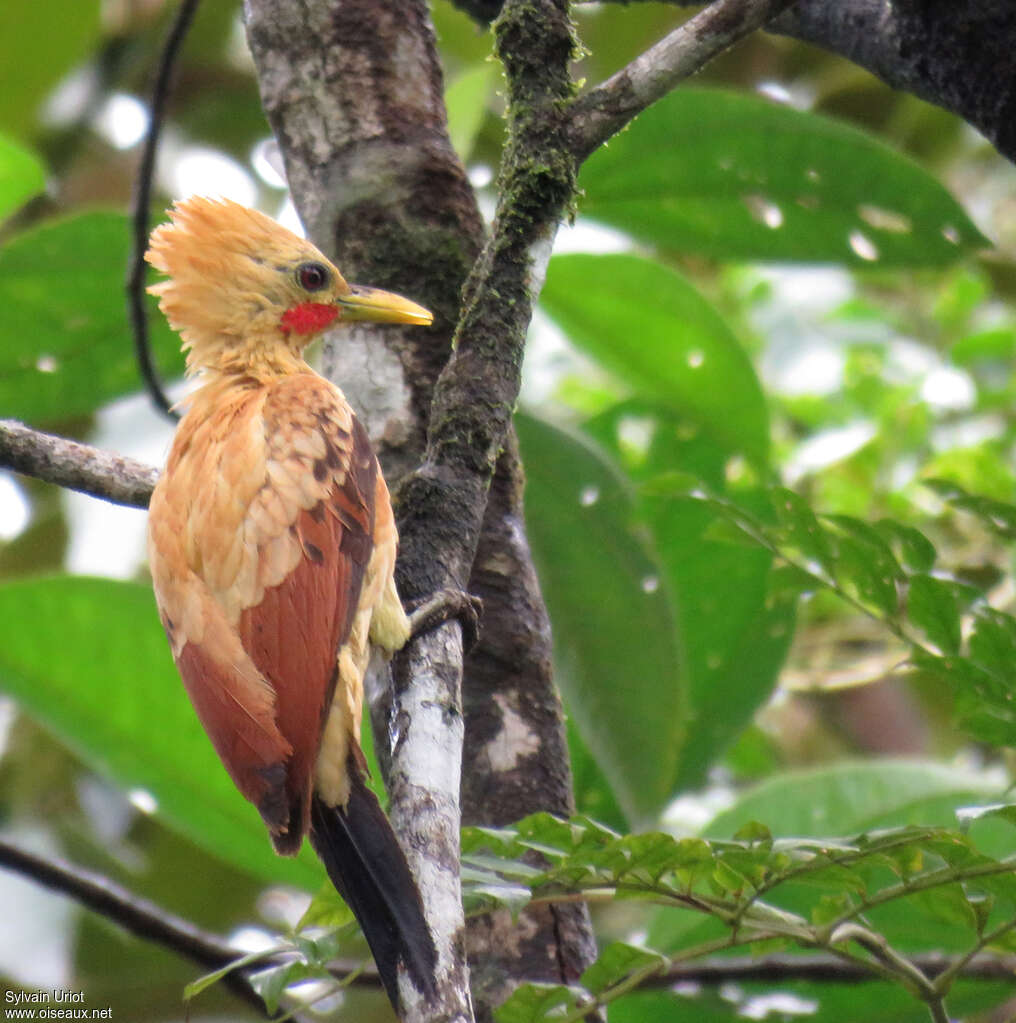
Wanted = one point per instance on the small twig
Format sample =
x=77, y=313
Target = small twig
x=605, y=110
x=140, y=210
x=899, y=966
x=81, y=467
x=150, y=922
x=961, y=965
x=933, y=879
x=877, y=945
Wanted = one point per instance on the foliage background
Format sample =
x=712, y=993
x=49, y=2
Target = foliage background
x=781, y=300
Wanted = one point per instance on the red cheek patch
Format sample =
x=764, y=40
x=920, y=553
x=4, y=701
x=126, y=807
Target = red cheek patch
x=308, y=317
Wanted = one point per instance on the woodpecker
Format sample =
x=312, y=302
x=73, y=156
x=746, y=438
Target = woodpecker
x=272, y=547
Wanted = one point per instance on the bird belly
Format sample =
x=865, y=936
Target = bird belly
x=380, y=622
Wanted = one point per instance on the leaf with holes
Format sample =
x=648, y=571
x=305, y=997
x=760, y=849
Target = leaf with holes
x=740, y=177
x=864, y=563
x=909, y=546
x=998, y=516
x=801, y=535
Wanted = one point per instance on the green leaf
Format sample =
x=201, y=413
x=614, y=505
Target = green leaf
x=993, y=647
x=984, y=703
x=845, y=798
x=326, y=909
x=483, y=889
x=735, y=618
x=999, y=516
x=802, y=535
x=832, y=876
x=194, y=988
x=65, y=347
x=538, y=1003
x=817, y=1002
x=753, y=832
x=624, y=686
x=830, y=908
x=648, y=325
x=87, y=657
x=910, y=546
x=996, y=345
x=271, y=984
x=618, y=961
x=593, y=795
x=1003, y=811
x=695, y=1004
x=736, y=625
x=649, y=856
x=864, y=564
x=21, y=176
x=738, y=177
x=948, y=903
x=466, y=100
x=730, y=879
x=936, y=606
x=962, y=292
x=39, y=44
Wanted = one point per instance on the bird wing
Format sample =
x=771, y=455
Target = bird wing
x=277, y=535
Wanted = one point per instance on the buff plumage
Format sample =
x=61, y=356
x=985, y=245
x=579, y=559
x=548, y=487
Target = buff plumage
x=272, y=549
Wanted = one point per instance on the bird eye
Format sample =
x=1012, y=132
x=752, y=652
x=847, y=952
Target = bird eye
x=312, y=276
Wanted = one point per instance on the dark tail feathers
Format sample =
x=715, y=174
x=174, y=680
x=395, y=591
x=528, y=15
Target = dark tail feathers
x=367, y=866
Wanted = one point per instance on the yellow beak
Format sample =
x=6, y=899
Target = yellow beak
x=375, y=306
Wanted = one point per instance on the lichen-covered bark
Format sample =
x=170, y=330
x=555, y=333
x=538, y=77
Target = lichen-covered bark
x=515, y=760
x=509, y=702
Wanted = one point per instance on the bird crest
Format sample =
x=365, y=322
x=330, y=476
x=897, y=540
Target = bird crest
x=234, y=274
x=246, y=294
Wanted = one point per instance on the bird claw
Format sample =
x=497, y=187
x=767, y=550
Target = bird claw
x=442, y=607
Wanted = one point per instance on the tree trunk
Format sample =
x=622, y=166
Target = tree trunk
x=359, y=113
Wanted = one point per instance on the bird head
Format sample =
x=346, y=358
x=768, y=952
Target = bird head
x=247, y=296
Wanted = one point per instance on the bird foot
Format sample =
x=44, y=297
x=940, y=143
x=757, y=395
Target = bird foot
x=442, y=607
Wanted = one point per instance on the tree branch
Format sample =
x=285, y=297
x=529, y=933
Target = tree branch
x=211, y=952
x=952, y=53
x=353, y=92
x=515, y=758
x=782, y=969
x=949, y=52
x=380, y=188
x=76, y=466
x=605, y=110
x=139, y=916
x=442, y=505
